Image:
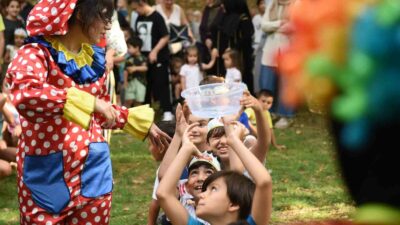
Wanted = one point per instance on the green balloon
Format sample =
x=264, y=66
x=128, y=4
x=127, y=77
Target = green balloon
x=320, y=65
x=362, y=66
x=350, y=106
x=388, y=12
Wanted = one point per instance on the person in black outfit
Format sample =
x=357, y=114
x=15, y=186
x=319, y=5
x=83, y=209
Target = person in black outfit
x=212, y=15
x=151, y=28
x=236, y=31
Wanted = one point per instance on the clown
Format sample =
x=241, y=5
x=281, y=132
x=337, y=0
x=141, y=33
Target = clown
x=58, y=84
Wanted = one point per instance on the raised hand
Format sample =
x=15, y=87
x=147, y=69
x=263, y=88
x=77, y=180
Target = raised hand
x=234, y=129
x=187, y=144
x=159, y=138
x=249, y=101
x=181, y=123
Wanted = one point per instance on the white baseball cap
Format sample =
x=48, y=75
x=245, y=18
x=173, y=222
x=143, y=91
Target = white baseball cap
x=206, y=158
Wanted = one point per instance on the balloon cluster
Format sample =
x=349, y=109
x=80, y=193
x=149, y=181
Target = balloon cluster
x=346, y=56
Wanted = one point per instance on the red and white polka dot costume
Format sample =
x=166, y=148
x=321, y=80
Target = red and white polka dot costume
x=64, y=170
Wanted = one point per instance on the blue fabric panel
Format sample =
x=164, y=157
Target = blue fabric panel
x=43, y=175
x=97, y=172
x=250, y=220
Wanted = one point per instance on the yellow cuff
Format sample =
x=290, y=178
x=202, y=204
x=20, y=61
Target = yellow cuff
x=139, y=122
x=76, y=115
x=81, y=99
x=79, y=107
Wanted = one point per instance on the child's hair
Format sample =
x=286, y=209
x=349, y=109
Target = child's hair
x=216, y=132
x=240, y=190
x=6, y=3
x=199, y=164
x=129, y=29
x=167, y=126
x=135, y=42
x=234, y=55
x=193, y=48
x=265, y=92
x=212, y=79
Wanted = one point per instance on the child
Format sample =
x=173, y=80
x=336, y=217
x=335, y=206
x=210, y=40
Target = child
x=192, y=72
x=19, y=37
x=231, y=62
x=197, y=136
x=135, y=74
x=227, y=196
x=12, y=20
x=150, y=27
x=266, y=99
x=128, y=33
x=200, y=168
x=158, y=152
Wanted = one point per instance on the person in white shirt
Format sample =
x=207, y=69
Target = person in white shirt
x=257, y=19
x=192, y=71
x=231, y=62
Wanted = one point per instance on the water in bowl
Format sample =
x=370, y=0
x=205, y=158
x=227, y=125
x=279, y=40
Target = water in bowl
x=216, y=111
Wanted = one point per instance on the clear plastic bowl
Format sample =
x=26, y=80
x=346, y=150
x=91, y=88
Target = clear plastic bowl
x=214, y=100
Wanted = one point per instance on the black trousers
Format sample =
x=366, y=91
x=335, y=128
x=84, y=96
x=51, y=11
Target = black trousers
x=158, y=86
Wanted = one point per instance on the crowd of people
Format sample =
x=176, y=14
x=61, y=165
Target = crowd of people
x=74, y=69
x=76, y=73
x=157, y=51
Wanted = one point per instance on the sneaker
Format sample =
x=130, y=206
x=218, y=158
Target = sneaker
x=167, y=116
x=282, y=123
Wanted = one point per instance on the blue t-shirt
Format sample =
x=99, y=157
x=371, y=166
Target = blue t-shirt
x=193, y=221
x=244, y=119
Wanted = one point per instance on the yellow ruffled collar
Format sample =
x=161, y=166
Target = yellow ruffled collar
x=83, y=58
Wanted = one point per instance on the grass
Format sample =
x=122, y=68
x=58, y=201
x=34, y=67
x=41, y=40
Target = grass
x=307, y=184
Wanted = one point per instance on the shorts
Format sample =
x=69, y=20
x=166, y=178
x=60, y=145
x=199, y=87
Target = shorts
x=135, y=91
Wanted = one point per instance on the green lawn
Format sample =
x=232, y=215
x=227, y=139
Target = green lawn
x=307, y=184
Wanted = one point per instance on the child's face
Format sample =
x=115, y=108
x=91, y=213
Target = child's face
x=220, y=147
x=198, y=135
x=266, y=102
x=214, y=202
x=196, y=178
x=13, y=9
x=192, y=57
x=227, y=61
x=18, y=40
x=133, y=50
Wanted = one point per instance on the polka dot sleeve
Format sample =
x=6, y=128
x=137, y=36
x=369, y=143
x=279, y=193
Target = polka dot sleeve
x=35, y=99
x=135, y=121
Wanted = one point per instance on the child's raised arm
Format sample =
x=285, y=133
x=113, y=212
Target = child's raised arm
x=173, y=148
x=209, y=65
x=174, y=210
x=262, y=199
x=260, y=150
